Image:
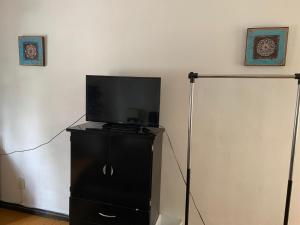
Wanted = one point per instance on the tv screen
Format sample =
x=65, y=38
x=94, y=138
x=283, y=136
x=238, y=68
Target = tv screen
x=123, y=100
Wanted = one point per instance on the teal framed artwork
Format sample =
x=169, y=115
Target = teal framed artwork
x=266, y=46
x=31, y=50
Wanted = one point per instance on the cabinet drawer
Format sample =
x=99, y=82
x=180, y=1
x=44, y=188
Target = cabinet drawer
x=86, y=212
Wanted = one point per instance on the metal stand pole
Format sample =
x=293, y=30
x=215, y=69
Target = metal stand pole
x=290, y=182
x=192, y=77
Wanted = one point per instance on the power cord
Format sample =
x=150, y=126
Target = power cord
x=182, y=176
x=34, y=148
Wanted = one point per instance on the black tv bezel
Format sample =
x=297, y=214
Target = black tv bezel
x=124, y=123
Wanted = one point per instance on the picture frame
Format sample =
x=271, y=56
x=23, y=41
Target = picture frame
x=266, y=46
x=31, y=50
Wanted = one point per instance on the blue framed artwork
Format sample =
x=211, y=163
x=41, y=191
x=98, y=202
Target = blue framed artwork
x=31, y=50
x=266, y=46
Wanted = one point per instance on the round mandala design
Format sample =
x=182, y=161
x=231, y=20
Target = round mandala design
x=266, y=47
x=30, y=51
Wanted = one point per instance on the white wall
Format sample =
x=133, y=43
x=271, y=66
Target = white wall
x=242, y=131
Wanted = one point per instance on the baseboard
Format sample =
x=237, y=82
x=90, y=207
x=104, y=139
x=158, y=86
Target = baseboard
x=34, y=211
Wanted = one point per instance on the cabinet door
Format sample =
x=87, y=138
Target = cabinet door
x=89, y=152
x=130, y=159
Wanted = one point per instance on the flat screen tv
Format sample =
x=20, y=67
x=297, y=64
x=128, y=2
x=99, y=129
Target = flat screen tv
x=123, y=100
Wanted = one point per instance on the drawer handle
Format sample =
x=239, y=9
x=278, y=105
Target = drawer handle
x=111, y=171
x=104, y=169
x=107, y=216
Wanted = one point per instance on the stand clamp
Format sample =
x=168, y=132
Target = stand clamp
x=297, y=76
x=193, y=76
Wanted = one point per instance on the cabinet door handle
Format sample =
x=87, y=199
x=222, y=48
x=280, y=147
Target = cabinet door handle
x=111, y=171
x=104, y=169
x=107, y=216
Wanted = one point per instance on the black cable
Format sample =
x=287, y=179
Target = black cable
x=198, y=211
x=34, y=148
x=181, y=172
x=174, y=154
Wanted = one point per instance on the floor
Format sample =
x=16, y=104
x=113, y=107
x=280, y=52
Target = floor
x=8, y=217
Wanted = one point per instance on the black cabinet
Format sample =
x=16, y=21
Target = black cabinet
x=115, y=176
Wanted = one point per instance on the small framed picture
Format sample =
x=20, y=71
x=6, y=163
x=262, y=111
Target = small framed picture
x=31, y=50
x=266, y=46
